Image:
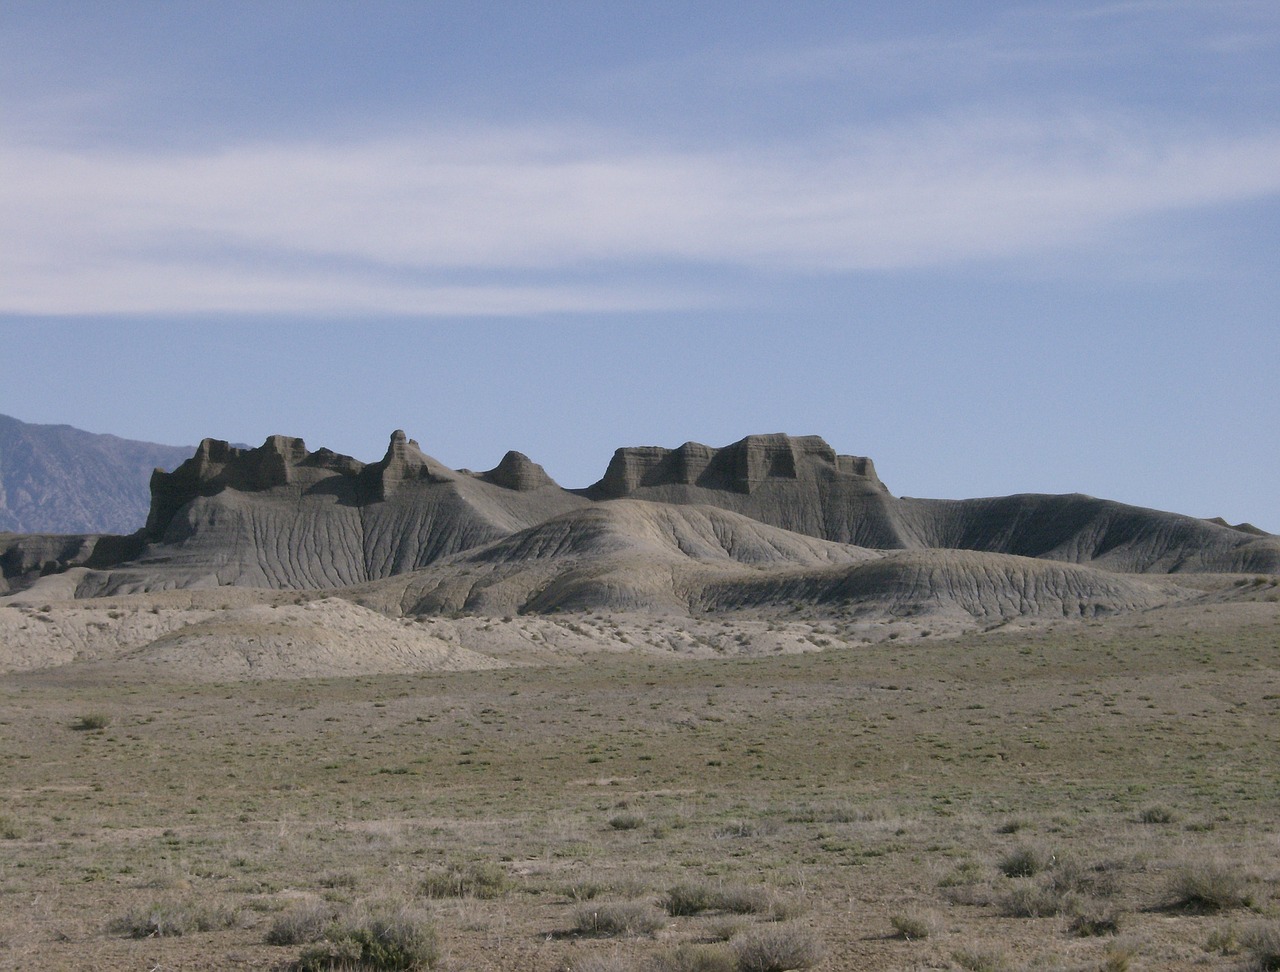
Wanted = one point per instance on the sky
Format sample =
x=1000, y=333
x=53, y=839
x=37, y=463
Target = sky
x=999, y=247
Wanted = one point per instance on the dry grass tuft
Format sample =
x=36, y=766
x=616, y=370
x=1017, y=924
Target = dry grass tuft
x=478, y=879
x=981, y=960
x=9, y=829
x=1157, y=814
x=1032, y=900
x=777, y=948
x=171, y=919
x=1024, y=861
x=1119, y=957
x=381, y=936
x=1209, y=886
x=1094, y=920
x=693, y=958
x=610, y=918
x=626, y=821
x=914, y=925
x=1262, y=943
x=603, y=963
x=301, y=924
x=684, y=900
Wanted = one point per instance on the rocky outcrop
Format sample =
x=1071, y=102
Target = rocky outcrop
x=795, y=483
x=26, y=557
x=517, y=471
x=1248, y=528
x=802, y=485
x=403, y=465
x=280, y=516
x=742, y=467
x=636, y=556
x=218, y=465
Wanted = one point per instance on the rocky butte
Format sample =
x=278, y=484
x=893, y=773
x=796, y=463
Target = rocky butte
x=766, y=521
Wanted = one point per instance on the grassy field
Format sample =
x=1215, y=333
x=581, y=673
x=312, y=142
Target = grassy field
x=1102, y=796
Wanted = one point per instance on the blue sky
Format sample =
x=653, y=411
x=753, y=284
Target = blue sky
x=998, y=247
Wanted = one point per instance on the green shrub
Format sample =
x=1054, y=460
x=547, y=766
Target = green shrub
x=1024, y=861
x=1209, y=886
x=1094, y=921
x=92, y=722
x=693, y=958
x=626, y=821
x=301, y=924
x=1032, y=900
x=1156, y=815
x=618, y=918
x=777, y=948
x=912, y=925
x=378, y=937
x=980, y=960
x=684, y=900
x=479, y=879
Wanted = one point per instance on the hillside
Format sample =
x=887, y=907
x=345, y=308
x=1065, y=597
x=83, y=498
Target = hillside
x=58, y=479
x=764, y=523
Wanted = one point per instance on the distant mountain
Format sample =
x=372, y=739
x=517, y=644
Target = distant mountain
x=58, y=479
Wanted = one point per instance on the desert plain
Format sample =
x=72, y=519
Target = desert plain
x=868, y=795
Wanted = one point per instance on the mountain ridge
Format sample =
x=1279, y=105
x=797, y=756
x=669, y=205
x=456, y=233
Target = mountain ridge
x=280, y=516
x=57, y=479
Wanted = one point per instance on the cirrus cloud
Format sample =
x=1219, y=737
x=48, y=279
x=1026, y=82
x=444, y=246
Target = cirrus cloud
x=525, y=221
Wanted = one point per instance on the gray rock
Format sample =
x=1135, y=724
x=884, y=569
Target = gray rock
x=765, y=520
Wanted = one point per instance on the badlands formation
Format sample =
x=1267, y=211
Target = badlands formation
x=281, y=562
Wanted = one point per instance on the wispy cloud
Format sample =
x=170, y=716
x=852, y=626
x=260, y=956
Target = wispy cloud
x=389, y=224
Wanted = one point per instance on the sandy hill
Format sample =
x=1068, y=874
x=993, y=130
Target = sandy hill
x=628, y=555
x=639, y=556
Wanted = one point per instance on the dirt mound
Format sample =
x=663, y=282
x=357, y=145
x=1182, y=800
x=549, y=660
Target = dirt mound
x=230, y=634
x=1084, y=530
x=632, y=556
x=984, y=587
x=325, y=638
x=625, y=555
